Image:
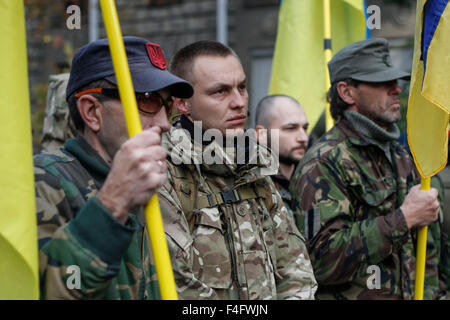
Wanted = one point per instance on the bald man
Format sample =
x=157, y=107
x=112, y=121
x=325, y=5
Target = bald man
x=285, y=114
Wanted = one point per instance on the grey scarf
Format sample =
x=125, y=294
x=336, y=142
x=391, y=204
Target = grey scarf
x=373, y=132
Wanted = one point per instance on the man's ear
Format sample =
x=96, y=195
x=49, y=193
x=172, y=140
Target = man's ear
x=182, y=105
x=261, y=134
x=346, y=92
x=91, y=111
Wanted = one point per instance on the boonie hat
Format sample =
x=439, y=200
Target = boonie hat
x=367, y=61
x=147, y=64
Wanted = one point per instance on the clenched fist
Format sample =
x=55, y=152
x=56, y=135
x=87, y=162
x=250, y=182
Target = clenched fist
x=420, y=207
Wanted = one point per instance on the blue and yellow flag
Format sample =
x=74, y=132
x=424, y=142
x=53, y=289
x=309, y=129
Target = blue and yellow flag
x=18, y=230
x=298, y=68
x=429, y=99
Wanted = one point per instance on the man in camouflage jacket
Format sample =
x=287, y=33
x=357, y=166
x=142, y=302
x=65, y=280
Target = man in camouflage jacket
x=357, y=187
x=58, y=126
x=229, y=235
x=89, y=194
x=281, y=124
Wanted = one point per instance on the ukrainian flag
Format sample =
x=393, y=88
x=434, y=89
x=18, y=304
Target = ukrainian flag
x=18, y=227
x=298, y=68
x=429, y=106
x=429, y=100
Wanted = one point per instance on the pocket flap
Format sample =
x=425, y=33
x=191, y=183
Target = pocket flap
x=211, y=258
x=376, y=197
x=209, y=217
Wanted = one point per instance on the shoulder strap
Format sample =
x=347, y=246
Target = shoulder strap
x=263, y=188
x=260, y=189
x=186, y=189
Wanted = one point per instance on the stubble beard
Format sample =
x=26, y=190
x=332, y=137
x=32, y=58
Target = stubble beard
x=288, y=158
x=383, y=119
x=388, y=117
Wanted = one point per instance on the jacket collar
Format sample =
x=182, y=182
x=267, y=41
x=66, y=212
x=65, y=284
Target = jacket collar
x=89, y=158
x=223, y=160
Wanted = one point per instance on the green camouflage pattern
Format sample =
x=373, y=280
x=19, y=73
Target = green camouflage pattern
x=58, y=126
x=444, y=263
x=349, y=193
x=439, y=231
x=75, y=229
x=241, y=250
x=444, y=178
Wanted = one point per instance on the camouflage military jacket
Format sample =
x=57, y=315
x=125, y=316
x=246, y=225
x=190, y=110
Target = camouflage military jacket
x=84, y=253
x=236, y=250
x=439, y=231
x=58, y=127
x=444, y=263
x=282, y=186
x=349, y=192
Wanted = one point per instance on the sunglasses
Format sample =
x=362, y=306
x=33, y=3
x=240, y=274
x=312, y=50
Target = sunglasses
x=148, y=102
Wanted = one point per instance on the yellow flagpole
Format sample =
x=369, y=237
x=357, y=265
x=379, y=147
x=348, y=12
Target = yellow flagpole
x=152, y=211
x=421, y=251
x=328, y=54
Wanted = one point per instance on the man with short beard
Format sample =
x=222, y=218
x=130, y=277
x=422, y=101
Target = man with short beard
x=358, y=190
x=285, y=115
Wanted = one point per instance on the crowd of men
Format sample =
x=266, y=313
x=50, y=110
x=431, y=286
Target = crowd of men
x=248, y=214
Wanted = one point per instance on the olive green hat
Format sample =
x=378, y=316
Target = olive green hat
x=367, y=61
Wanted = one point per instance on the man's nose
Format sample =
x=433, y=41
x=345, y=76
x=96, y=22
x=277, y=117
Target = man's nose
x=302, y=136
x=396, y=89
x=160, y=119
x=239, y=98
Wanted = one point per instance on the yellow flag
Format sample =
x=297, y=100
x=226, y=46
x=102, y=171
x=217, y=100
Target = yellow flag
x=18, y=230
x=298, y=68
x=429, y=99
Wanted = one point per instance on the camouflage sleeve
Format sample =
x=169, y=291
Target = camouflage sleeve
x=78, y=256
x=338, y=244
x=444, y=263
x=179, y=242
x=431, y=285
x=435, y=248
x=294, y=273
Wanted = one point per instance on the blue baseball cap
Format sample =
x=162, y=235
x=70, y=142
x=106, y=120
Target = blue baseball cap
x=146, y=61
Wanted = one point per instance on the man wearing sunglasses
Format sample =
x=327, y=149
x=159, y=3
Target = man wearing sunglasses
x=229, y=234
x=90, y=193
